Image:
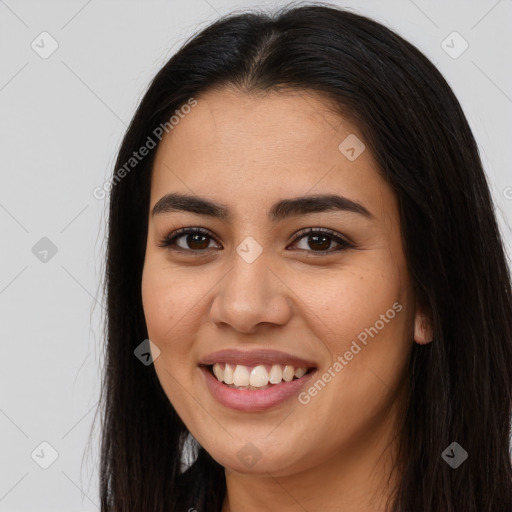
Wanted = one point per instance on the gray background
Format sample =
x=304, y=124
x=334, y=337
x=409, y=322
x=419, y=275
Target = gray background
x=62, y=119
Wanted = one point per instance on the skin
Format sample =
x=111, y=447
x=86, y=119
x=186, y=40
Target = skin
x=247, y=152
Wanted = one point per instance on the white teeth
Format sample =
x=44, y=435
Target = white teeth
x=241, y=376
x=228, y=374
x=258, y=377
x=276, y=374
x=288, y=373
x=300, y=372
x=218, y=372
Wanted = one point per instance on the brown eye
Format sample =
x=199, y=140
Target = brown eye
x=319, y=240
x=190, y=239
x=196, y=241
x=315, y=240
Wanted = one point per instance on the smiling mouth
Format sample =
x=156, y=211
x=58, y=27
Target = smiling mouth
x=256, y=377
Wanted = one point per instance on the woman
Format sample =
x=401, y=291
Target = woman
x=300, y=224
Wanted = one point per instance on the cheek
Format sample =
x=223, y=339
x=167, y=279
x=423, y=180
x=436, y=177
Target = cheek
x=364, y=316
x=157, y=305
x=168, y=304
x=169, y=312
x=341, y=304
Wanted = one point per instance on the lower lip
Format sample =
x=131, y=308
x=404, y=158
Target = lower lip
x=252, y=400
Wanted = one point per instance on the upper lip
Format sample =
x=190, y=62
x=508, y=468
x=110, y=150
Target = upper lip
x=255, y=357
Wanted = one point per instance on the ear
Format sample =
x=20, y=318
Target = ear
x=423, y=331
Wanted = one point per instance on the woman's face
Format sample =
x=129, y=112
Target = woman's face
x=256, y=291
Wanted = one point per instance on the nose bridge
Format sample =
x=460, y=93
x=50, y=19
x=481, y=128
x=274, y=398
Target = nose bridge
x=248, y=280
x=250, y=294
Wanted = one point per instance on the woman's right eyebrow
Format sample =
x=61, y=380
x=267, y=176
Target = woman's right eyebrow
x=285, y=208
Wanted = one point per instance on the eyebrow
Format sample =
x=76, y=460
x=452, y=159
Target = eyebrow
x=281, y=210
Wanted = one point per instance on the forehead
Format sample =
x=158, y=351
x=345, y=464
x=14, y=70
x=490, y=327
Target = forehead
x=249, y=148
x=278, y=125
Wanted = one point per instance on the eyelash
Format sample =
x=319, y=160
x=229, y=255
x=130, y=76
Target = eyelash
x=169, y=240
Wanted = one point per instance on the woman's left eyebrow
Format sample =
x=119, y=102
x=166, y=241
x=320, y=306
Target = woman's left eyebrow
x=283, y=209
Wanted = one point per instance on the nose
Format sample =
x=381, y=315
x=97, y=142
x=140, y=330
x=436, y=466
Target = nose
x=251, y=294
